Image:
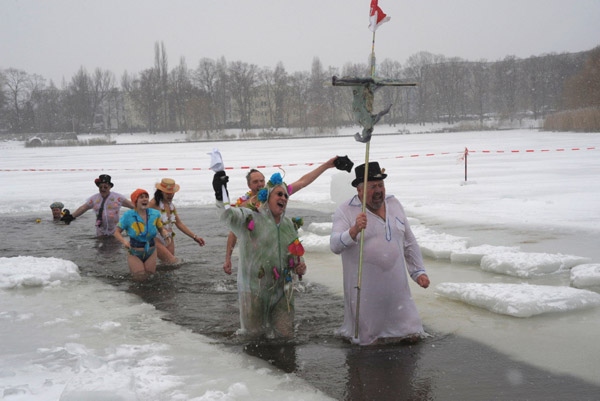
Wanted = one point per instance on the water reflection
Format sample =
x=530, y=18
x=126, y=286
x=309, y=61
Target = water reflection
x=386, y=373
x=282, y=355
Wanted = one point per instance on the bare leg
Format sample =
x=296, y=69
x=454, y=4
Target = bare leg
x=150, y=264
x=136, y=267
x=165, y=254
x=282, y=319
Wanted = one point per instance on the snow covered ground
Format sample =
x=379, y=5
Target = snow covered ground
x=512, y=252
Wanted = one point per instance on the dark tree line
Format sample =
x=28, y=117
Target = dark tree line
x=219, y=94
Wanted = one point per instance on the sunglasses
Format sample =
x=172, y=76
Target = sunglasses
x=281, y=193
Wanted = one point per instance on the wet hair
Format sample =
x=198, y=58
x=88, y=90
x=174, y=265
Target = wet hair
x=158, y=196
x=250, y=174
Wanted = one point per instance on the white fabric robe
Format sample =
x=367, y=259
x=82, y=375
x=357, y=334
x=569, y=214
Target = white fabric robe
x=386, y=305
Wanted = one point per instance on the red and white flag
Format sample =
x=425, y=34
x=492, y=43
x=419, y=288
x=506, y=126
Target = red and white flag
x=377, y=16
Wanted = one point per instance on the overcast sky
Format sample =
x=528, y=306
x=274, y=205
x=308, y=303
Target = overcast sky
x=54, y=38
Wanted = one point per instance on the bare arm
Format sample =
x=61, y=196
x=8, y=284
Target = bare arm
x=184, y=229
x=120, y=238
x=153, y=205
x=231, y=241
x=81, y=210
x=308, y=178
x=127, y=203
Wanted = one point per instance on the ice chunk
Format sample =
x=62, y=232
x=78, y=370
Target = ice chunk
x=320, y=228
x=523, y=264
x=29, y=271
x=436, y=245
x=519, y=300
x=413, y=221
x=341, y=189
x=587, y=275
x=475, y=253
x=314, y=242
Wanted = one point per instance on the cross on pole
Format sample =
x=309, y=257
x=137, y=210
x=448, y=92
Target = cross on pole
x=363, y=95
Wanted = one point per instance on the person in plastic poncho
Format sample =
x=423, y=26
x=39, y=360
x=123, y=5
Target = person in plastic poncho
x=269, y=259
x=387, y=310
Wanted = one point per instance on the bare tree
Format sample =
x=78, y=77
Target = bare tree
x=334, y=99
x=222, y=98
x=392, y=95
x=182, y=92
x=206, y=78
x=266, y=97
x=505, y=86
x=280, y=95
x=161, y=65
x=101, y=84
x=299, y=98
x=583, y=89
x=15, y=82
x=242, y=78
x=479, y=86
x=79, y=101
x=146, y=94
x=317, y=97
x=415, y=71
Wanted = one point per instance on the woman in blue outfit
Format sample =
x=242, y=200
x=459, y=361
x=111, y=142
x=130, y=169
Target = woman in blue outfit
x=142, y=225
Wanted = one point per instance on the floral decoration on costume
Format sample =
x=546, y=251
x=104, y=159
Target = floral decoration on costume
x=296, y=249
x=250, y=223
x=298, y=222
x=274, y=181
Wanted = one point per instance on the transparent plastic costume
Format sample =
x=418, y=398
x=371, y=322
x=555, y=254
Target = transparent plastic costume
x=265, y=273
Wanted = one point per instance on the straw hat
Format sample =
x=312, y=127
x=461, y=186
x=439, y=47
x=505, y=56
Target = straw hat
x=168, y=186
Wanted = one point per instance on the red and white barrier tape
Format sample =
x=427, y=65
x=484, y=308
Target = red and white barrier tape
x=298, y=164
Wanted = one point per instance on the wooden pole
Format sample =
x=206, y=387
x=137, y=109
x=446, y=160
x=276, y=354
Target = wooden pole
x=364, y=207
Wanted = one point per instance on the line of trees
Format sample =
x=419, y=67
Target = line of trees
x=218, y=94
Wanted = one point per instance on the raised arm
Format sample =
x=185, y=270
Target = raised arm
x=308, y=178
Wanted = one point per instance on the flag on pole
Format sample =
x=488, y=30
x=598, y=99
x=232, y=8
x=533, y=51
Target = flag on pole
x=377, y=16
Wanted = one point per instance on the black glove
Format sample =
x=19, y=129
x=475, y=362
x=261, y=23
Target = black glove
x=343, y=163
x=220, y=179
x=67, y=217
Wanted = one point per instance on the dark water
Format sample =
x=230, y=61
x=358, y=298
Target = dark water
x=198, y=295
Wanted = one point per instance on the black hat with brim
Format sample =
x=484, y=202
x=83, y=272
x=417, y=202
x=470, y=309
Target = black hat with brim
x=103, y=179
x=375, y=173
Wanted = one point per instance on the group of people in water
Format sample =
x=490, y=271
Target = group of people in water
x=149, y=223
x=271, y=253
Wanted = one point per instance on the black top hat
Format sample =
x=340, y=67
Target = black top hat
x=103, y=179
x=375, y=173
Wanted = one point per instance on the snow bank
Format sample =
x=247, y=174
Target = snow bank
x=438, y=245
x=28, y=271
x=586, y=275
x=523, y=264
x=519, y=300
